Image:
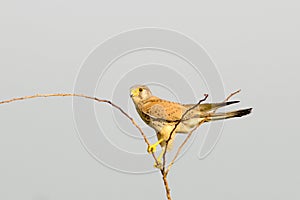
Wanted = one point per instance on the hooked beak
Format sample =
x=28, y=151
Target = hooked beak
x=134, y=93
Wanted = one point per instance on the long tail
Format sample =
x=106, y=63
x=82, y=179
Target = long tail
x=237, y=113
x=205, y=107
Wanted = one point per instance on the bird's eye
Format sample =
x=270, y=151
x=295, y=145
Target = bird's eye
x=140, y=89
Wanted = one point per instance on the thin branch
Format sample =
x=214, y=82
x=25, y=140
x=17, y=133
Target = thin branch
x=87, y=97
x=184, y=114
x=191, y=132
x=227, y=99
x=183, y=143
x=177, y=123
x=232, y=94
x=168, y=191
x=163, y=171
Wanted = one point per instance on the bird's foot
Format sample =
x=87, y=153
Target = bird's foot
x=158, y=165
x=152, y=148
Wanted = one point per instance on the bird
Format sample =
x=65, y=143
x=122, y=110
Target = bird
x=163, y=115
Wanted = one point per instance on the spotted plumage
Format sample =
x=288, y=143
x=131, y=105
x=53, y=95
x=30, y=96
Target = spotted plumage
x=162, y=115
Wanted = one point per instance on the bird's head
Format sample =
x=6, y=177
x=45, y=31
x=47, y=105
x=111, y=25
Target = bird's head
x=139, y=93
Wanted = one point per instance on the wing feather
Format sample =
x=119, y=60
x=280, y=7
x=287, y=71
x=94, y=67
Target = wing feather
x=161, y=109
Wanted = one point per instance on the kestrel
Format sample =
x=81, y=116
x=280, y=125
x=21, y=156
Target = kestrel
x=162, y=115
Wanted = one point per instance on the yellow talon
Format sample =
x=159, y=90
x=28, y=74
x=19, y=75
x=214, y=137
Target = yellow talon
x=152, y=148
x=158, y=165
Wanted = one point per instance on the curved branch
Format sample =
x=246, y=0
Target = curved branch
x=163, y=171
x=177, y=123
x=87, y=97
x=191, y=132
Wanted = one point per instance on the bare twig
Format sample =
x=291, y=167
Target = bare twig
x=227, y=99
x=232, y=94
x=87, y=97
x=182, y=144
x=177, y=123
x=163, y=170
x=166, y=184
x=191, y=132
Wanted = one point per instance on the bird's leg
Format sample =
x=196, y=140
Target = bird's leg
x=161, y=154
x=159, y=163
x=152, y=148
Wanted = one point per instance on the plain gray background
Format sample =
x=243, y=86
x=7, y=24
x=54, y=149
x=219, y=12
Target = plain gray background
x=255, y=45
